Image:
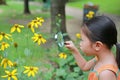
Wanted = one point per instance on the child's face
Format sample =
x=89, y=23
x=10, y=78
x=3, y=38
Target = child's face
x=86, y=44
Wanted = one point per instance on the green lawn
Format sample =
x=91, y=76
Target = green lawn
x=105, y=6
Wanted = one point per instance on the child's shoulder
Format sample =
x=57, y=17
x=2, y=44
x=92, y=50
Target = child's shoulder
x=106, y=71
x=110, y=67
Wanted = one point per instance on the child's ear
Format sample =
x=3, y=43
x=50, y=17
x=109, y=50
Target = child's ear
x=98, y=45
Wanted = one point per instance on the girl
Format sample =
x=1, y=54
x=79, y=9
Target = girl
x=98, y=37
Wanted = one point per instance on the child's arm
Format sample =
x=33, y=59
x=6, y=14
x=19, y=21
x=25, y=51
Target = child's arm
x=82, y=63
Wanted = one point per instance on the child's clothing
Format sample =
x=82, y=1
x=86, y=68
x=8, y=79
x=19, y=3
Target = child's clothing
x=94, y=74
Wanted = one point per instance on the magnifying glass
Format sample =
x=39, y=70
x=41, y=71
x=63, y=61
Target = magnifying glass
x=59, y=39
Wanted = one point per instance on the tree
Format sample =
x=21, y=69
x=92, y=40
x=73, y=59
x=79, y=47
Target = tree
x=2, y=2
x=58, y=7
x=26, y=7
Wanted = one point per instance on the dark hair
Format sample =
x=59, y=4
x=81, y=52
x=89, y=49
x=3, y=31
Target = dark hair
x=102, y=28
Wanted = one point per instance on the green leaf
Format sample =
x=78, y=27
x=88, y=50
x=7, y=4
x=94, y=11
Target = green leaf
x=61, y=72
x=27, y=52
x=58, y=25
x=48, y=75
x=76, y=69
x=62, y=62
x=70, y=77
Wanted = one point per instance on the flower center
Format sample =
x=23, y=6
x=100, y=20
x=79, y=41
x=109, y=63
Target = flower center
x=3, y=43
x=31, y=69
x=29, y=25
x=9, y=75
x=3, y=33
x=39, y=36
x=35, y=21
x=5, y=61
x=16, y=26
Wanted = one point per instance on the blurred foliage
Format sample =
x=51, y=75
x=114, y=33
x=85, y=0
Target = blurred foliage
x=105, y=6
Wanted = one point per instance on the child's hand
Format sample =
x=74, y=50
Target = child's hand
x=70, y=45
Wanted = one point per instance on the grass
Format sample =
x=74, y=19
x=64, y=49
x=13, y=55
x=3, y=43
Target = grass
x=105, y=6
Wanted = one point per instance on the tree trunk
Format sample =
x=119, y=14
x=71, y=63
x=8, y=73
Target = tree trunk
x=58, y=7
x=2, y=2
x=26, y=7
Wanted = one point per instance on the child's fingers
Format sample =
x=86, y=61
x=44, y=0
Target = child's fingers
x=67, y=43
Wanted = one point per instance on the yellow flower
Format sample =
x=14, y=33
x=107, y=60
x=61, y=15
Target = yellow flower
x=11, y=75
x=38, y=38
x=78, y=35
x=41, y=20
x=90, y=14
x=35, y=23
x=30, y=71
x=30, y=25
x=4, y=45
x=63, y=55
x=17, y=28
x=6, y=62
x=4, y=35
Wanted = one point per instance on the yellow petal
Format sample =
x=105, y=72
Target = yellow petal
x=21, y=26
x=14, y=71
x=8, y=78
x=18, y=29
x=32, y=29
x=6, y=45
x=39, y=42
x=33, y=74
x=1, y=37
x=7, y=72
x=36, y=34
x=65, y=56
x=13, y=29
x=10, y=63
x=14, y=77
x=29, y=74
x=26, y=71
x=26, y=67
x=2, y=62
x=5, y=65
x=87, y=15
x=4, y=76
x=35, y=39
x=7, y=37
x=43, y=40
x=36, y=25
x=2, y=48
x=36, y=68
